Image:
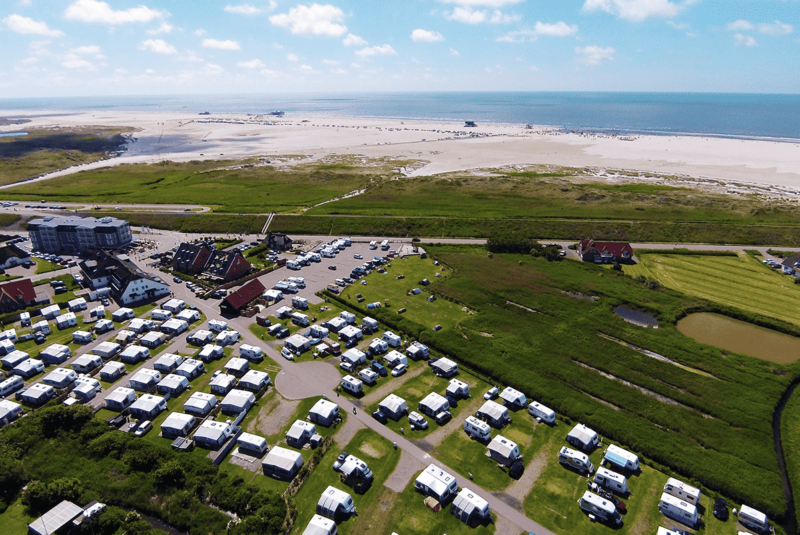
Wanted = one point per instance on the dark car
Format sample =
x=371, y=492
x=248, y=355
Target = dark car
x=332, y=268
x=721, y=509
x=39, y=338
x=434, y=359
x=60, y=290
x=283, y=333
x=380, y=416
x=619, y=504
x=379, y=368
x=26, y=338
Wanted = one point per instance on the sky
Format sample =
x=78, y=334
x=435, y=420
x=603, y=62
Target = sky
x=61, y=48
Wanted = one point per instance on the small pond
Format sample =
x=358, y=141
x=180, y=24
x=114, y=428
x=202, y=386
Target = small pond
x=13, y=134
x=642, y=319
x=741, y=337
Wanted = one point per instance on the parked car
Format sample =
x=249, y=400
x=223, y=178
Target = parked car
x=417, y=420
x=399, y=370
x=346, y=366
x=379, y=368
x=380, y=416
x=332, y=268
x=144, y=427
x=358, y=257
x=721, y=509
x=340, y=461
x=492, y=393
x=434, y=359
x=176, y=279
x=287, y=354
x=283, y=333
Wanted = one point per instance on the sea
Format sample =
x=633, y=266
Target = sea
x=748, y=116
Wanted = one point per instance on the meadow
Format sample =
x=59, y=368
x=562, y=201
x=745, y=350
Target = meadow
x=711, y=429
x=790, y=440
x=742, y=281
x=44, y=151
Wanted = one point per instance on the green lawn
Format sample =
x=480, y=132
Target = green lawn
x=46, y=266
x=414, y=390
x=466, y=456
x=381, y=287
x=742, y=282
x=15, y=520
x=410, y=516
x=790, y=437
x=254, y=422
x=381, y=458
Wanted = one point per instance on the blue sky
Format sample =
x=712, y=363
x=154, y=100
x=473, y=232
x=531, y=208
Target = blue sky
x=121, y=47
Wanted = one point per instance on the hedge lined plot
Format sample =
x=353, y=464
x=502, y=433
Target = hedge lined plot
x=718, y=435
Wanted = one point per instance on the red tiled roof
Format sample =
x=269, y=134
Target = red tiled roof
x=21, y=291
x=245, y=294
x=613, y=248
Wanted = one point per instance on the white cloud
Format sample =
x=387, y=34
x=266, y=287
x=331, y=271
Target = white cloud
x=96, y=11
x=488, y=3
x=28, y=26
x=775, y=28
x=159, y=46
x=468, y=15
x=740, y=25
x=292, y=57
x=221, y=45
x=316, y=20
x=353, y=40
x=380, y=50
x=338, y=71
x=29, y=61
x=595, y=55
x=200, y=32
x=267, y=72
x=638, y=10
x=192, y=56
x=91, y=50
x=454, y=52
x=164, y=28
x=277, y=46
x=307, y=68
x=559, y=29
x=426, y=36
x=252, y=64
x=25, y=2
x=677, y=25
x=329, y=62
x=745, y=40
x=247, y=9
x=76, y=58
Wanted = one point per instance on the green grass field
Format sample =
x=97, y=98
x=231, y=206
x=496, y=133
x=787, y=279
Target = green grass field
x=790, y=439
x=45, y=266
x=381, y=458
x=742, y=282
x=381, y=287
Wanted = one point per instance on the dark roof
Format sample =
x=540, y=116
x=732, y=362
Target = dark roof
x=239, y=298
x=613, y=248
x=791, y=260
x=221, y=262
x=190, y=256
x=12, y=251
x=103, y=264
x=21, y=291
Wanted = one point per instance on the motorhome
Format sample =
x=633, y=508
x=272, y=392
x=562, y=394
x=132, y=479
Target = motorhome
x=294, y=266
x=542, y=413
x=373, y=245
x=681, y=490
x=300, y=319
x=678, y=509
x=477, y=429
x=600, y=507
x=300, y=303
x=575, y=459
x=584, y=438
x=754, y=519
x=611, y=480
x=385, y=245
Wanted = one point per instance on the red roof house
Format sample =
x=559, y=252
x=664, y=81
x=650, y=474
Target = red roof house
x=241, y=297
x=604, y=252
x=16, y=295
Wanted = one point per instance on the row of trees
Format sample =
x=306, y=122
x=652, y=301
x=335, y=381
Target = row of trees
x=515, y=244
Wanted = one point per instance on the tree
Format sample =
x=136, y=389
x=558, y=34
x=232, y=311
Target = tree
x=171, y=474
x=11, y=476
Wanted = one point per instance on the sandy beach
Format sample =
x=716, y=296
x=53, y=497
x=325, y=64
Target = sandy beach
x=769, y=166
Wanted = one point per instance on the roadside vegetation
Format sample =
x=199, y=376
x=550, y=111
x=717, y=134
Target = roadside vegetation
x=790, y=440
x=45, y=150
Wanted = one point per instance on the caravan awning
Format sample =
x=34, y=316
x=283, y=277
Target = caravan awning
x=616, y=459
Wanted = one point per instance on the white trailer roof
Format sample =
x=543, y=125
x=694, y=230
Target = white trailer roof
x=493, y=410
x=513, y=395
x=283, y=458
x=319, y=525
x=503, y=446
x=468, y=501
x=582, y=433
x=324, y=408
x=392, y=403
x=436, y=479
x=435, y=402
x=678, y=503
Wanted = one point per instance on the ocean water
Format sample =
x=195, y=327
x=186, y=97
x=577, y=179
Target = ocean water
x=709, y=114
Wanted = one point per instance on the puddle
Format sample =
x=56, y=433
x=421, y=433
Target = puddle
x=13, y=134
x=577, y=295
x=522, y=306
x=642, y=319
x=742, y=337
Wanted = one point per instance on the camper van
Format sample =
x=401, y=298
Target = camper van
x=753, y=519
x=681, y=490
x=611, y=480
x=601, y=508
x=678, y=509
x=577, y=460
x=542, y=413
x=293, y=265
x=373, y=245
x=385, y=245
x=300, y=319
x=477, y=429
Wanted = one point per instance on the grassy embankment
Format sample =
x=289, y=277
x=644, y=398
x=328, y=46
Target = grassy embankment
x=790, y=439
x=44, y=150
x=712, y=431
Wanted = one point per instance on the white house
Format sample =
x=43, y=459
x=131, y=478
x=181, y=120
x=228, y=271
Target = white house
x=433, y=404
x=191, y=368
x=393, y=407
x=38, y=393
x=444, y=367
x=144, y=380
x=106, y=350
x=355, y=357
x=583, y=438
x=125, y=337
x=457, y=389
x=282, y=464
x=200, y=403
x=297, y=343
x=222, y=383
x=55, y=354
x=395, y=358
x=254, y=380
x=139, y=325
x=435, y=482
x=28, y=368
x=148, y=407
x=189, y=316
x=112, y=371
x=77, y=304
x=211, y=352
x=237, y=366
x=176, y=425
x=503, y=450
x=9, y=411
x=174, y=327
x=134, y=354
x=252, y=444
x=201, y=337
x=300, y=433
x=273, y=295
x=153, y=340
x=173, y=384
x=237, y=401
x=82, y=337
x=335, y=504
x=469, y=507
x=60, y=378
x=51, y=312
x=86, y=363
x=378, y=346
x=103, y=326
x=174, y=305
x=336, y=324
x=13, y=359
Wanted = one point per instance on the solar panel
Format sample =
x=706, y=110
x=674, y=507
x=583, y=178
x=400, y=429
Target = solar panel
x=56, y=518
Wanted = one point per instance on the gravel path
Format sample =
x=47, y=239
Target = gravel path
x=387, y=388
x=438, y=436
x=306, y=379
x=348, y=431
x=504, y=526
x=516, y=492
x=407, y=467
x=273, y=416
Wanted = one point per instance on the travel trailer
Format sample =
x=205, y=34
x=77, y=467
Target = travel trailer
x=477, y=429
x=600, y=507
x=678, y=509
x=540, y=412
x=575, y=459
x=611, y=480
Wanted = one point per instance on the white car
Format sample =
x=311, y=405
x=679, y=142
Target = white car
x=346, y=366
x=358, y=257
x=492, y=393
x=287, y=354
x=143, y=428
x=399, y=370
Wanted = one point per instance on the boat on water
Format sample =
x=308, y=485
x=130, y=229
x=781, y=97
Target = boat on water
x=205, y=113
